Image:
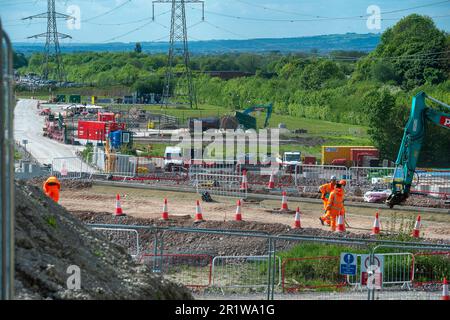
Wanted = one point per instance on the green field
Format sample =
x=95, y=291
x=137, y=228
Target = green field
x=320, y=132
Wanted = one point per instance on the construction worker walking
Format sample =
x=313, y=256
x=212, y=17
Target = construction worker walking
x=326, y=190
x=335, y=204
x=51, y=188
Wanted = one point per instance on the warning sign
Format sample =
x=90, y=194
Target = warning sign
x=348, y=264
x=372, y=274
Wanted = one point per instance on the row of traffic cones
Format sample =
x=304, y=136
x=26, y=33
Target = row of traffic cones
x=376, y=229
x=198, y=211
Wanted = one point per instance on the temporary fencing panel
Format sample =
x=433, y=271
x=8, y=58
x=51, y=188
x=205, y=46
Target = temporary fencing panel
x=430, y=268
x=309, y=178
x=432, y=182
x=398, y=270
x=114, y=164
x=243, y=271
x=191, y=270
x=363, y=179
x=212, y=166
x=67, y=168
x=220, y=184
x=127, y=238
x=311, y=273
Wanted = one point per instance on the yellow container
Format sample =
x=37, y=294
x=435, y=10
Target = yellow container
x=329, y=153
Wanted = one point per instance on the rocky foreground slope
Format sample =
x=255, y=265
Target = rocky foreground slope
x=49, y=240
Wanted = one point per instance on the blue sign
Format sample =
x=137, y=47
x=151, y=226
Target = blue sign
x=348, y=264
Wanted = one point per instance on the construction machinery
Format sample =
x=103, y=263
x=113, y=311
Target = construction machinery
x=412, y=144
x=243, y=120
x=249, y=122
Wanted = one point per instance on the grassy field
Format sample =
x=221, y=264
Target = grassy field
x=320, y=132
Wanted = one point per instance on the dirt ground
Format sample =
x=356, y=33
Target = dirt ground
x=148, y=204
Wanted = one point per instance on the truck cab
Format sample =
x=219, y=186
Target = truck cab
x=291, y=160
x=173, y=158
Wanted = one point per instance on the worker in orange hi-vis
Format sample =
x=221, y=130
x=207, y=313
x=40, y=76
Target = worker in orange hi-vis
x=51, y=188
x=335, y=204
x=326, y=190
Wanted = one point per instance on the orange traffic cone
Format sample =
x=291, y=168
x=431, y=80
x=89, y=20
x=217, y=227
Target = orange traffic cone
x=198, y=212
x=297, y=222
x=284, y=205
x=445, y=295
x=271, y=184
x=416, y=230
x=376, y=225
x=340, y=223
x=165, y=214
x=244, y=184
x=238, y=216
x=119, y=211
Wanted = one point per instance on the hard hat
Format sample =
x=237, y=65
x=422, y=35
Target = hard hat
x=343, y=182
x=333, y=178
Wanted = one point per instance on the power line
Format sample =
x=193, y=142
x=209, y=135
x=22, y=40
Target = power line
x=107, y=12
x=360, y=17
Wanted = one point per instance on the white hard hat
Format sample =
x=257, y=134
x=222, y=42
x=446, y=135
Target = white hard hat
x=333, y=178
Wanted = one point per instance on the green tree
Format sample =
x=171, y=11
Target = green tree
x=416, y=50
x=138, y=47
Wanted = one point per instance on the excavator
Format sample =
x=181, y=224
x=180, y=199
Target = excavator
x=412, y=144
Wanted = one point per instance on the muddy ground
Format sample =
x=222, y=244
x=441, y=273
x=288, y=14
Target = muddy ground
x=147, y=204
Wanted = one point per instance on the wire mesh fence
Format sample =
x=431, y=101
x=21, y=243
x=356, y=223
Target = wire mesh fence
x=220, y=184
x=243, y=271
x=308, y=178
x=190, y=270
x=288, y=266
x=127, y=238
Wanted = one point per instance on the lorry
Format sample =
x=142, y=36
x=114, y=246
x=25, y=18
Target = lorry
x=290, y=160
x=173, y=159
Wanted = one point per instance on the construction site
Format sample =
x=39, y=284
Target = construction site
x=159, y=201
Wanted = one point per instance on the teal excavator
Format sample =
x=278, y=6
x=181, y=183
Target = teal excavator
x=411, y=145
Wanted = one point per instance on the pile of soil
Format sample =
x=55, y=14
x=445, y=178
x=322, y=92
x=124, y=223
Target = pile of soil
x=65, y=184
x=48, y=240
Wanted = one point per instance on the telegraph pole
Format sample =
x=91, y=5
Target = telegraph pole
x=183, y=91
x=52, y=40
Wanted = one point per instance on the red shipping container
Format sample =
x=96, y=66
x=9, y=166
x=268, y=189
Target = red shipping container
x=106, y=116
x=114, y=126
x=92, y=130
x=357, y=155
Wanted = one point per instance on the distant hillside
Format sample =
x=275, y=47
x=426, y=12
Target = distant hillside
x=323, y=43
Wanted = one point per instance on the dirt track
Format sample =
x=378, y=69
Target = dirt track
x=148, y=204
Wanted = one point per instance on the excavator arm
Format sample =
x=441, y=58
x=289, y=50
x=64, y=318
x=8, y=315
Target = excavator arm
x=412, y=144
x=261, y=107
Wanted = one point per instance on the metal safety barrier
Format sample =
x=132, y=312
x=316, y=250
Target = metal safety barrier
x=430, y=268
x=311, y=273
x=363, y=179
x=398, y=270
x=127, y=238
x=190, y=270
x=6, y=169
x=243, y=271
x=67, y=168
x=220, y=184
x=432, y=182
x=309, y=177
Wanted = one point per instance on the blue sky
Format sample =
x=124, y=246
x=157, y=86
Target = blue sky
x=105, y=21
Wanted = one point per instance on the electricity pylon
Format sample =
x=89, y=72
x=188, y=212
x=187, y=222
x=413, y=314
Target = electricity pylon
x=178, y=86
x=52, y=40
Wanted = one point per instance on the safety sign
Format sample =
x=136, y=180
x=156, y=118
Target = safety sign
x=348, y=264
x=374, y=271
